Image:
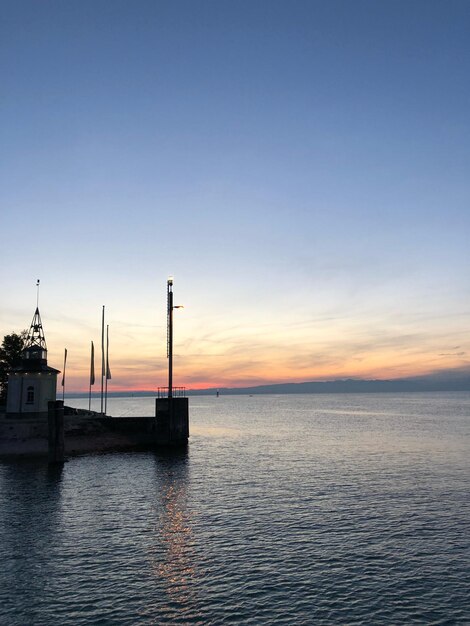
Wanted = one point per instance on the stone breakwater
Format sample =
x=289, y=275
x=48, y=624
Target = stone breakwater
x=85, y=432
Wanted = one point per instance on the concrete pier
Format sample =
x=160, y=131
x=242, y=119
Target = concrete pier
x=77, y=431
x=171, y=421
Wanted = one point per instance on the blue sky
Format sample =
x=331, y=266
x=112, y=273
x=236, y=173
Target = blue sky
x=300, y=167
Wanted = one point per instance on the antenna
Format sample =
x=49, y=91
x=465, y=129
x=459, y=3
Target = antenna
x=37, y=293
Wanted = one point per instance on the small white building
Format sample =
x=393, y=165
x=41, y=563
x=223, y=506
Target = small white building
x=32, y=384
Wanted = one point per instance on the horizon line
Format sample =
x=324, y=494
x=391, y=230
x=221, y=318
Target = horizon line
x=426, y=379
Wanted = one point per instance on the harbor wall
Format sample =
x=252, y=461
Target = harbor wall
x=83, y=434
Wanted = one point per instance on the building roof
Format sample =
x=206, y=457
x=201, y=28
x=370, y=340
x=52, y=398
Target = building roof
x=34, y=367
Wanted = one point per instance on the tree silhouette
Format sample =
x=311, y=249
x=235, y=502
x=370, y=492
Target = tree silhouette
x=10, y=356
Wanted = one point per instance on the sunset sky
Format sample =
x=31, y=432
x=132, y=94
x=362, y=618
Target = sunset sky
x=300, y=167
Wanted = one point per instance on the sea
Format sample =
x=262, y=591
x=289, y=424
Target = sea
x=284, y=509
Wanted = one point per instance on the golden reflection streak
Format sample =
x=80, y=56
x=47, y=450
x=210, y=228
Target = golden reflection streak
x=175, y=534
x=172, y=555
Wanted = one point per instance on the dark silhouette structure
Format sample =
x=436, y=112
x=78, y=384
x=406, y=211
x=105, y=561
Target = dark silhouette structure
x=171, y=405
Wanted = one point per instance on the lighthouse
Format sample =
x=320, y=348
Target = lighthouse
x=32, y=384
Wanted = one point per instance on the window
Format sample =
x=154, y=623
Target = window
x=30, y=395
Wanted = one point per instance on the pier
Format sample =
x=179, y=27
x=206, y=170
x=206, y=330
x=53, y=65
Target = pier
x=36, y=426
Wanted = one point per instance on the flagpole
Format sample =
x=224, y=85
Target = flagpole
x=92, y=373
x=102, y=358
x=107, y=371
x=63, y=376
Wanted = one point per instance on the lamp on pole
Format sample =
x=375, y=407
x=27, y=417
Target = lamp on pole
x=170, y=307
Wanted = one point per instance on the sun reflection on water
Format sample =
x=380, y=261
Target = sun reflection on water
x=171, y=554
x=177, y=565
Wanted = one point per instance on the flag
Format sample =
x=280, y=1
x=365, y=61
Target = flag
x=65, y=361
x=92, y=365
x=108, y=371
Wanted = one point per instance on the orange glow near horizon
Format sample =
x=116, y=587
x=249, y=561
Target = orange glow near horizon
x=204, y=372
x=252, y=348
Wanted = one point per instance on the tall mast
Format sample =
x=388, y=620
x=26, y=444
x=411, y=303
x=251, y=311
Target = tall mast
x=169, y=292
x=169, y=332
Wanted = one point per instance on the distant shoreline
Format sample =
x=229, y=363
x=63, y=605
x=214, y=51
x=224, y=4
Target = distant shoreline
x=404, y=385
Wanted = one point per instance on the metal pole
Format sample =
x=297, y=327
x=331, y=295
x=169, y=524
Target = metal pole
x=102, y=358
x=63, y=375
x=170, y=336
x=107, y=372
x=92, y=373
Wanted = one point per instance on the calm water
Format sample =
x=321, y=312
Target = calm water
x=331, y=509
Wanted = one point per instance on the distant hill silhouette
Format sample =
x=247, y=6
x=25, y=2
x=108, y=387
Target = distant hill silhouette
x=451, y=380
x=352, y=385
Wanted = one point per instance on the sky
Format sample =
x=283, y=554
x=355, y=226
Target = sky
x=299, y=167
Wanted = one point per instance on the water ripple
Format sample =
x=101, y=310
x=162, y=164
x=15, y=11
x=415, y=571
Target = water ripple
x=349, y=514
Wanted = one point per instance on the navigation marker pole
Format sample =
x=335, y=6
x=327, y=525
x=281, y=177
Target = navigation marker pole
x=169, y=350
x=171, y=426
x=169, y=334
